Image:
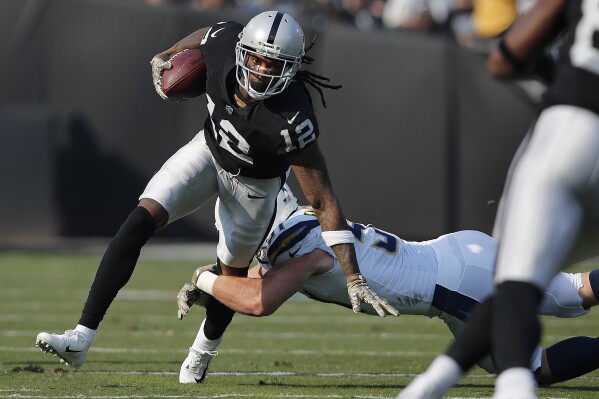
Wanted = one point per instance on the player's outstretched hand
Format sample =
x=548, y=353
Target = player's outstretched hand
x=359, y=292
x=158, y=65
x=190, y=295
x=187, y=296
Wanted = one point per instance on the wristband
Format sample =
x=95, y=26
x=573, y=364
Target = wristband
x=337, y=237
x=206, y=281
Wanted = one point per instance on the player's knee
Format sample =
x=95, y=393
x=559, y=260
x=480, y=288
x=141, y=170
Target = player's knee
x=134, y=232
x=156, y=211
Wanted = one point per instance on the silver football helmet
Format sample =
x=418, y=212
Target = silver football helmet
x=277, y=36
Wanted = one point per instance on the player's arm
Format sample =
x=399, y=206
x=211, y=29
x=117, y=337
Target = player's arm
x=310, y=169
x=190, y=41
x=263, y=296
x=259, y=294
x=526, y=38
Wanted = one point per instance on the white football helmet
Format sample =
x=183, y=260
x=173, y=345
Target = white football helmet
x=277, y=36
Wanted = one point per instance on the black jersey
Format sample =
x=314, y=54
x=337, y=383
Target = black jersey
x=252, y=141
x=577, y=76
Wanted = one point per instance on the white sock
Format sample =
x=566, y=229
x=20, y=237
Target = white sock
x=88, y=333
x=516, y=379
x=204, y=344
x=444, y=372
x=441, y=375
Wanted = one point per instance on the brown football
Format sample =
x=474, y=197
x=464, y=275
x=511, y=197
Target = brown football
x=187, y=77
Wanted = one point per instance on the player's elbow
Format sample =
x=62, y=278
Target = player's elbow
x=322, y=204
x=260, y=307
x=316, y=203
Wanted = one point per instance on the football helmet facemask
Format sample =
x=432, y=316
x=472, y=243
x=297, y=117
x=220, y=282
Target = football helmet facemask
x=274, y=35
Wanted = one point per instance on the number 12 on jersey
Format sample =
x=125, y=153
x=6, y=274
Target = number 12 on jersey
x=303, y=134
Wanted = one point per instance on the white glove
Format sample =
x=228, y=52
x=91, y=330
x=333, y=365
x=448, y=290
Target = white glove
x=158, y=66
x=359, y=291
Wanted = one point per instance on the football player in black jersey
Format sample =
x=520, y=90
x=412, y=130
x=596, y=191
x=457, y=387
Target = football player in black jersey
x=261, y=121
x=549, y=208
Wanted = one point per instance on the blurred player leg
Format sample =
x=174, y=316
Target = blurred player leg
x=569, y=359
x=543, y=212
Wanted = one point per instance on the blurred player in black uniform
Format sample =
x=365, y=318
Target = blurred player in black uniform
x=551, y=203
x=261, y=121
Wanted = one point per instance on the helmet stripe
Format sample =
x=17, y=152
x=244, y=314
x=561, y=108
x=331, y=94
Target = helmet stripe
x=275, y=27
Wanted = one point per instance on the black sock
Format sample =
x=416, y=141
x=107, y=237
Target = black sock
x=515, y=329
x=117, y=265
x=474, y=342
x=572, y=358
x=218, y=318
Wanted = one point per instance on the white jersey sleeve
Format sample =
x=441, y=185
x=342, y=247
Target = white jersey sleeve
x=406, y=278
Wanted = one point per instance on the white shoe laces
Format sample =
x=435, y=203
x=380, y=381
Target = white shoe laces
x=199, y=360
x=74, y=335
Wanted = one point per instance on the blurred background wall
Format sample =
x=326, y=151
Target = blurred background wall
x=417, y=141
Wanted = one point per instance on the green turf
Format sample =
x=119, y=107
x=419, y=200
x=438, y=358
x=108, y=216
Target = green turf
x=305, y=350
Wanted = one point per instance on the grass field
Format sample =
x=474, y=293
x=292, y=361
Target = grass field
x=305, y=350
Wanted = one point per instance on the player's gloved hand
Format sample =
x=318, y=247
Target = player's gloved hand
x=158, y=65
x=359, y=292
x=187, y=297
x=190, y=295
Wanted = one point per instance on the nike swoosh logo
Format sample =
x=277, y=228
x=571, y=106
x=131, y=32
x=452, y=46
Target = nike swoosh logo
x=213, y=34
x=68, y=349
x=255, y=196
x=290, y=121
x=198, y=380
x=292, y=254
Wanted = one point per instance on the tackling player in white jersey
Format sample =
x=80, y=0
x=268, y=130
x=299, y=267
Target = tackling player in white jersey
x=440, y=278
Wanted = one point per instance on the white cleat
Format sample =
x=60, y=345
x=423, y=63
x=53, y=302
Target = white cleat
x=71, y=347
x=195, y=366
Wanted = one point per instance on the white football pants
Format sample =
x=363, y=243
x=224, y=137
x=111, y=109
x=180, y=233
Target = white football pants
x=244, y=208
x=552, y=190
